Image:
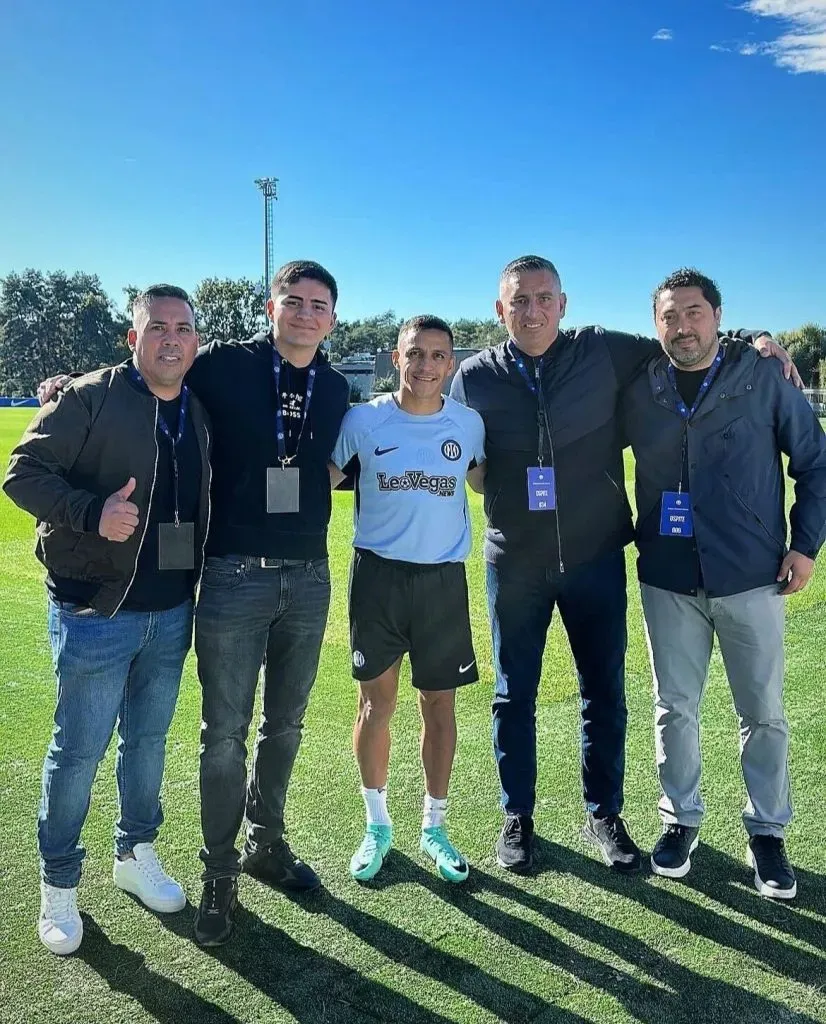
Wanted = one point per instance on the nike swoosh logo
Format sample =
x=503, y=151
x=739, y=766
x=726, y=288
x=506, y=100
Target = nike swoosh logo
x=466, y=668
x=384, y=451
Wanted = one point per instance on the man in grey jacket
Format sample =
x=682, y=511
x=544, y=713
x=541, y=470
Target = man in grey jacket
x=708, y=423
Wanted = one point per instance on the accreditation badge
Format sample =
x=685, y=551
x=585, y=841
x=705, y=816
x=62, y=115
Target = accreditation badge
x=541, y=489
x=282, y=489
x=676, y=518
x=176, y=546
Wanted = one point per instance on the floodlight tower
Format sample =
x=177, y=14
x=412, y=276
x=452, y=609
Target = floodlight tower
x=269, y=190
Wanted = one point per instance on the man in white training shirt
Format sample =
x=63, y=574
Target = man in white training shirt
x=411, y=453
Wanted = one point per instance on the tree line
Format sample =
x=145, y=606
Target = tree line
x=50, y=322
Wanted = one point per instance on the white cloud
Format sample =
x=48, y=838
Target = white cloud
x=749, y=49
x=720, y=49
x=802, y=47
x=663, y=35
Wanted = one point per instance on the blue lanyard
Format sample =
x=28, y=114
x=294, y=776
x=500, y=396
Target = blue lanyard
x=174, y=441
x=684, y=411
x=519, y=359
x=138, y=379
x=279, y=409
x=542, y=421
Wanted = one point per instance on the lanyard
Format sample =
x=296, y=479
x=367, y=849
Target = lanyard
x=687, y=413
x=535, y=387
x=684, y=411
x=283, y=458
x=134, y=373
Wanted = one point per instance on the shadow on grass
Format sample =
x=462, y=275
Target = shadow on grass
x=313, y=987
x=714, y=874
x=671, y=991
x=125, y=971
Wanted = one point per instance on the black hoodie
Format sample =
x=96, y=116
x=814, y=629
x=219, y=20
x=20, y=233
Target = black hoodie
x=234, y=381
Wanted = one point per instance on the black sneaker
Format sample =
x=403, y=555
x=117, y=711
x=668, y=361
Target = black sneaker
x=773, y=874
x=671, y=856
x=214, y=919
x=278, y=865
x=611, y=838
x=514, y=848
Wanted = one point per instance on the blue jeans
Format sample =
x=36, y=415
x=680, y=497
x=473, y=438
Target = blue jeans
x=592, y=601
x=246, y=616
x=125, y=671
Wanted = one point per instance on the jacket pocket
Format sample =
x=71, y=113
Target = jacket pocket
x=781, y=544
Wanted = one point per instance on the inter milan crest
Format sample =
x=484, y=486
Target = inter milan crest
x=452, y=451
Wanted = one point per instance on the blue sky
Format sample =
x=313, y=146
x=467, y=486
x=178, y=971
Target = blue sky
x=421, y=146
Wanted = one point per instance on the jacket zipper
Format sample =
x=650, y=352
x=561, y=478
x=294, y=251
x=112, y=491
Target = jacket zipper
x=540, y=397
x=146, y=524
x=209, y=510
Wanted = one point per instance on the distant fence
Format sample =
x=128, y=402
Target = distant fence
x=817, y=399
x=13, y=403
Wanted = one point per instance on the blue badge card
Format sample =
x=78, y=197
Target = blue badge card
x=541, y=489
x=676, y=519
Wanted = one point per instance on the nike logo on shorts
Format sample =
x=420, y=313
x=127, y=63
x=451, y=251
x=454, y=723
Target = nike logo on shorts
x=466, y=668
x=384, y=451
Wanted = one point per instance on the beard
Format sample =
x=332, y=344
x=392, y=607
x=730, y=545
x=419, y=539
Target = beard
x=689, y=350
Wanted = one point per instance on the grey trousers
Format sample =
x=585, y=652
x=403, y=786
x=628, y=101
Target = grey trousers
x=749, y=628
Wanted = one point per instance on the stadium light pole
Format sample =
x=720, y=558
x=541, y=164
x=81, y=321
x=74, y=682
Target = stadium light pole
x=269, y=190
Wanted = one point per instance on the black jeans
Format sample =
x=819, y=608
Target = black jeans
x=248, y=615
x=592, y=601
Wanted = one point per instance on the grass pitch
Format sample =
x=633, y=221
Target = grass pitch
x=573, y=943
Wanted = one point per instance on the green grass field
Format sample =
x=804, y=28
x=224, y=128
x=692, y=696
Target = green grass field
x=572, y=943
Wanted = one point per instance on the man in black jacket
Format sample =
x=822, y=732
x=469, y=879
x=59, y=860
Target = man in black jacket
x=558, y=519
x=708, y=423
x=277, y=405
x=117, y=474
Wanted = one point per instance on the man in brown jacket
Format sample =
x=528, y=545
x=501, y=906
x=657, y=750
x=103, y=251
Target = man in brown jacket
x=116, y=473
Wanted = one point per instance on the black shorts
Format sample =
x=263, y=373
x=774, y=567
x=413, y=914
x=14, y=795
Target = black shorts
x=401, y=608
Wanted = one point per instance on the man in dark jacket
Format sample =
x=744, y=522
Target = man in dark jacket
x=708, y=423
x=558, y=519
x=117, y=474
x=277, y=405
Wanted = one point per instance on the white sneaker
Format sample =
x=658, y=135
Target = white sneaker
x=144, y=877
x=59, y=927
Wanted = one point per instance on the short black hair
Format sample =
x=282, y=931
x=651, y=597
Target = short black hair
x=689, y=277
x=293, y=271
x=425, y=322
x=143, y=299
x=525, y=264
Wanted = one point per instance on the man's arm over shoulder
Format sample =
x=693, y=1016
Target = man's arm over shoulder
x=36, y=480
x=801, y=437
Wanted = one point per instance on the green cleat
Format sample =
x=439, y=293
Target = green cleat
x=366, y=862
x=450, y=864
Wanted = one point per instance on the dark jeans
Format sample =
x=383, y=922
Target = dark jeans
x=246, y=616
x=592, y=602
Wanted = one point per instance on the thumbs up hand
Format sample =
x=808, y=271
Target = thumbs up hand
x=119, y=516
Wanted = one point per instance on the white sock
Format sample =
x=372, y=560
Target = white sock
x=375, y=804
x=435, y=811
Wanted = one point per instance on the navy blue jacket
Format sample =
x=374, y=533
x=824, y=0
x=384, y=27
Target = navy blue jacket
x=234, y=381
x=749, y=416
x=582, y=375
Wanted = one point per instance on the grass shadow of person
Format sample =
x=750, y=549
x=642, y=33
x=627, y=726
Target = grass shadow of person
x=316, y=988
x=125, y=971
x=713, y=874
x=674, y=992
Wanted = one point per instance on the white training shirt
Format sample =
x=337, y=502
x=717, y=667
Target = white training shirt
x=410, y=490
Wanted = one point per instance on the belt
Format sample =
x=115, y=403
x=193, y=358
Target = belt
x=276, y=563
